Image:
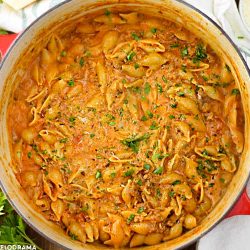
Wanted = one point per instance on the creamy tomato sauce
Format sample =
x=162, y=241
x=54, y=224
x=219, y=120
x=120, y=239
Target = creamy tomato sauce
x=126, y=130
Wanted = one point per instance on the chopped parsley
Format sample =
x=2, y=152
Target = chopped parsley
x=98, y=174
x=135, y=36
x=134, y=142
x=171, y=117
x=171, y=193
x=205, y=152
x=158, y=170
x=159, y=87
x=139, y=182
x=164, y=79
x=149, y=114
x=92, y=135
x=222, y=180
x=35, y=147
x=180, y=93
x=130, y=218
x=87, y=53
x=131, y=55
x=157, y=156
x=112, y=123
x=71, y=83
x=73, y=236
x=72, y=119
x=29, y=155
x=63, y=140
x=147, y=166
x=205, y=78
x=129, y=172
x=147, y=88
x=81, y=62
x=121, y=111
x=113, y=174
x=235, y=92
x=158, y=192
x=176, y=182
x=175, y=45
x=173, y=105
x=184, y=68
x=200, y=53
x=184, y=52
x=107, y=12
x=153, y=126
x=153, y=30
x=136, y=66
x=140, y=210
x=63, y=53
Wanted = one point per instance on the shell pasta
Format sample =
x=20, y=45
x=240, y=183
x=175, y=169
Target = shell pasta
x=126, y=130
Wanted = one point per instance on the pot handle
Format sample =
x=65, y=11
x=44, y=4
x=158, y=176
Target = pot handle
x=242, y=206
x=5, y=42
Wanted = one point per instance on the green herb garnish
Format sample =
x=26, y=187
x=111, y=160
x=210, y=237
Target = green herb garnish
x=134, y=142
x=129, y=172
x=131, y=55
x=158, y=170
x=235, y=92
x=71, y=83
x=98, y=174
x=135, y=36
x=176, y=182
x=147, y=88
x=184, y=52
x=140, y=210
x=200, y=53
x=153, y=30
x=147, y=166
x=130, y=218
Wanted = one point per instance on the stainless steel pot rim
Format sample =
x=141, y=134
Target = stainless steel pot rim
x=189, y=6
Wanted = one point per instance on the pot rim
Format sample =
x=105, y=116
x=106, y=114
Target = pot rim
x=209, y=19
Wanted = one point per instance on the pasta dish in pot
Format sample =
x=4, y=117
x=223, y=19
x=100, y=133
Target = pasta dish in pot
x=126, y=129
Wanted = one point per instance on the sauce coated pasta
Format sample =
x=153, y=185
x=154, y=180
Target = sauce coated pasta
x=126, y=130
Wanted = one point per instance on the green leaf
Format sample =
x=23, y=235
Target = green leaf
x=175, y=45
x=176, y=182
x=140, y=210
x=147, y=166
x=3, y=32
x=129, y=172
x=147, y=88
x=158, y=170
x=130, y=218
x=135, y=36
x=131, y=55
x=98, y=174
x=184, y=52
x=153, y=126
x=71, y=83
x=107, y=12
x=81, y=62
x=153, y=30
x=200, y=53
x=235, y=92
x=134, y=142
